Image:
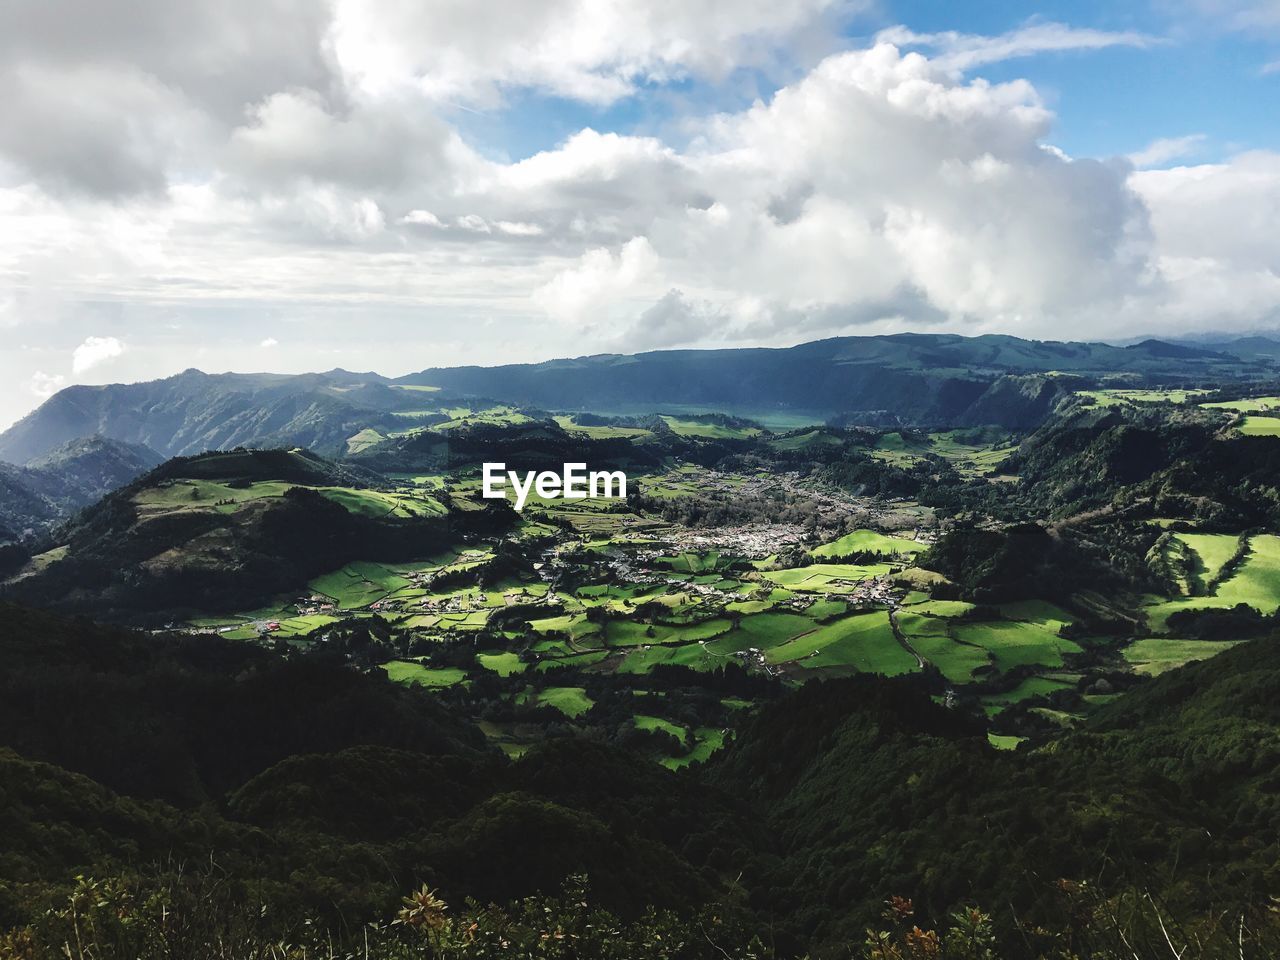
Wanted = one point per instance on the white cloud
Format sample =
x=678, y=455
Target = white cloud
x=962, y=51
x=1160, y=152
x=586, y=292
x=423, y=218
x=269, y=342
x=1270, y=69
x=596, y=51
x=93, y=352
x=45, y=385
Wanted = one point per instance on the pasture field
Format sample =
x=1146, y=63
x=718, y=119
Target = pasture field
x=571, y=701
x=968, y=458
x=1013, y=643
x=806, y=440
x=1154, y=655
x=764, y=631
x=1256, y=582
x=868, y=541
x=1211, y=550
x=707, y=740
x=1249, y=405
x=862, y=642
x=713, y=431
x=932, y=639
x=1260, y=427
x=597, y=432
x=1028, y=688
x=825, y=577
x=645, y=722
x=410, y=671
x=503, y=662
x=366, y=438
x=1118, y=398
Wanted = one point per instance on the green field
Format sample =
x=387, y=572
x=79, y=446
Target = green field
x=571, y=701
x=862, y=642
x=1155, y=655
x=503, y=663
x=714, y=431
x=868, y=541
x=1015, y=644
x=1260, y=427
x=1256, y=583
x=825, y=577
x=1248, y=405
x=409, y=671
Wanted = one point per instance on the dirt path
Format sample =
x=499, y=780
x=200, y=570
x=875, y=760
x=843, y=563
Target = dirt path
x=902, y=637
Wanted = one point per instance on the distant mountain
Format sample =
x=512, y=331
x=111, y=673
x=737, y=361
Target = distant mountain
x=53, y=487
x=918, y=377
x=907, y=379
x=194, y=412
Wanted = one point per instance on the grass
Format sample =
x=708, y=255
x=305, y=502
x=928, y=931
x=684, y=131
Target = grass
x=931, y=638
x=825, y=577
x=1003, y=741
x=1212, y=551
x=366, y=438
x=1255, y=583
x=1154, y=655
x=645, y=722
x=504, y=663
x=707, y=740
x=706, y=430
x=763, y=631
x=1128, y=398
x=1028, y=688
x=862, y=643
x=1014, y=644
x=601, y=432
x=868, y=541
x=1260, y=427
x=1247, y=405
x=571, y=701
x=412, y=672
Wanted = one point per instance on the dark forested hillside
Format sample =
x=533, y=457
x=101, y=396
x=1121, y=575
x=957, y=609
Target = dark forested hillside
x=232, y=528
x=323, y=790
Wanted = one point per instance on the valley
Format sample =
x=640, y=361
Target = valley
x=670, y=687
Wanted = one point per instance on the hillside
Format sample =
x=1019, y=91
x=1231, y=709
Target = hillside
x=194, y=412
x=298, y=774
x=56, y=485
x=233, y=529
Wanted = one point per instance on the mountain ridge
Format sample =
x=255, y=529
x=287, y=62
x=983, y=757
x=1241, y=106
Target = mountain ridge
x=907, y=378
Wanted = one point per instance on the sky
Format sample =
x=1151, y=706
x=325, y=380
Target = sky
x=294, y=185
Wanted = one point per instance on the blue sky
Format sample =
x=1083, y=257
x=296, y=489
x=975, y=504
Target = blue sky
x=1200, y=76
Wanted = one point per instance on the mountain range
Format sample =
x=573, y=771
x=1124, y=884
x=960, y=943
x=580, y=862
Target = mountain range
x=908, y=379
x=71, y=476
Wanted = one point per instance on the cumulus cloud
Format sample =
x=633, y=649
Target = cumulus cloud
x=269, y=342
x=45, y=385
x=596, y=51
x=93, y=352
x=588, y=290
